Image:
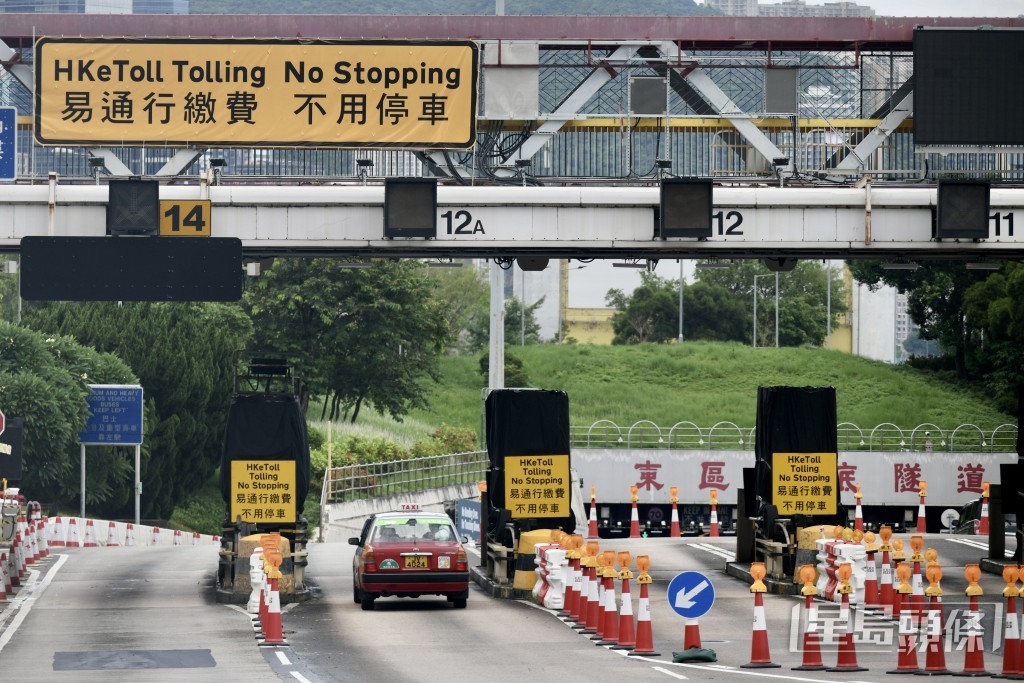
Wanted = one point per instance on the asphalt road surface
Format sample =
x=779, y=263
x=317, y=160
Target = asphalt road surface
x=149, y=614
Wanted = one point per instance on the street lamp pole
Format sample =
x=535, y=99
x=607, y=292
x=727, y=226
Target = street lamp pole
x=776, y=309
x=680, y=301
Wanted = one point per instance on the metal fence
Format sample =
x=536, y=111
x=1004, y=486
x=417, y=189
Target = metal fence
x=370, y=480
x=728, y=435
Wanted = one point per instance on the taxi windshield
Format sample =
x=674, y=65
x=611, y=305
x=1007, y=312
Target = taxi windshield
x=400, y=530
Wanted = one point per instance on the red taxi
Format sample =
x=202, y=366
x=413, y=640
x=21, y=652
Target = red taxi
x=408, y=554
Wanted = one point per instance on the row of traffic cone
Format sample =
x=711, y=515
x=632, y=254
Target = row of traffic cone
x=69, y=537
x=590, y=605
x=265, y=599
x=634, y=516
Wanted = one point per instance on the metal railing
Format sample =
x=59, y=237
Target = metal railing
x=727, y=435
x=370, y=480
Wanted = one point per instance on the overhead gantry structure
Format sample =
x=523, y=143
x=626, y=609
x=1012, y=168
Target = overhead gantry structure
x=518, y=51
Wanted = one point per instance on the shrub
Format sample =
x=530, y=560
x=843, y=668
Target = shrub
x=446, y=439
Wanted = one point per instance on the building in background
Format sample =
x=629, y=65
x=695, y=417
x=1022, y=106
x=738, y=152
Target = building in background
x=94, y=6
x=789, y=8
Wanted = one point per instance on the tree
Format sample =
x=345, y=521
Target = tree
x=935, y=300
x=43, y=380
x=649, y=314
x=520, y=325
x=464, y=298
x=182, y=354
x=359, y=334
x=719, y=306
x=995, y=306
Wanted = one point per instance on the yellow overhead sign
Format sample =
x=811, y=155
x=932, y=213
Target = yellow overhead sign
x=263, y=491
x=254, y=92
x=805, y=483
x=537, y=486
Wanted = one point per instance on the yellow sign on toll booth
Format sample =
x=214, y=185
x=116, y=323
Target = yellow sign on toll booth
x=263, y=491
x=805, y=483
x=537, y=486
x=185, y=218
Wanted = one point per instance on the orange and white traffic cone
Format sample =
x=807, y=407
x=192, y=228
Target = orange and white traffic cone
x=5, y=579
x=714, y=514
x=31, y=553
x=871, y=599
x=73, y=540
x=974, y=650
x=44, y=538
x=627, y=632
x=812, y=642
x=90, y=535
x=858, y=517
x=906, y=661
x=592, y=525
x=983, y=522
x=583, y=603
x=573, y=603
x=1011, y=631
x=644, y=635
x=935, y=659
x=847, y=657
x=273, y=631
x=691, y=634
x=112, y=539
x=634, y=518
x=885, y=594
x=602, y=560
x=57, y=540
x=922, y=526
x=593, y=623
x=17, y=565
x=917, y=583
x=570, y=582
x=760, y=657
x=673, y=529
x=898, y=557
x=611, y=612
x=129, y=535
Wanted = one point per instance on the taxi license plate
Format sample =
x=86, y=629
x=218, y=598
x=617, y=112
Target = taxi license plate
x=416, y=562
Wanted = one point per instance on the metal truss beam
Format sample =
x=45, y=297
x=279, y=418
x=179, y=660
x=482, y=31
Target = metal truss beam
x=856, y=160
x=728, y=109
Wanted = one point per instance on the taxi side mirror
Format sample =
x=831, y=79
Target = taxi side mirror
x=354, y=540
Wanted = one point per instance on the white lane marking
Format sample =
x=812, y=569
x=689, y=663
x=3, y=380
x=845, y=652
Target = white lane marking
x=980, y=545
x=239, y=609
x=714, y=550
x=281, y=657
x=299, y=677
x=25, y=599
x=670, y=673
x=755, y=672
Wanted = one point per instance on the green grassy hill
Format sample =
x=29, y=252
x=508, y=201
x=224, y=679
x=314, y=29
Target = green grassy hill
x=709, y=382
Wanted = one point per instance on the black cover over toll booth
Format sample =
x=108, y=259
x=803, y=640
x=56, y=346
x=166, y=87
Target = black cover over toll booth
x=793, y=420
x=266, y=427
x=521, y=424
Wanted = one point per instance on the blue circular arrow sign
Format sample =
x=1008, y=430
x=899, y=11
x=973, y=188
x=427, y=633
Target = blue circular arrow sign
x=691, y=594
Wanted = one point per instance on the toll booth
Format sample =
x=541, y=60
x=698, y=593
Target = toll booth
x=529, y=485
x=795, y=482
x=265, y=476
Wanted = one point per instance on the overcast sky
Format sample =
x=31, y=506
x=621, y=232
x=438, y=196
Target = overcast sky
x=938, y=8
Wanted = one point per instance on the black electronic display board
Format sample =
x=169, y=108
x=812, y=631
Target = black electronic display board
x=967, y=87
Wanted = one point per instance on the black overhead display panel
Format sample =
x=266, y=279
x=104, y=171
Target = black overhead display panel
x=967, y=87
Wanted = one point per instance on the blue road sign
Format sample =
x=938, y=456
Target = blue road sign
x=116, y=418
x=467, y=518
x=691, y=594
x=8, y=142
